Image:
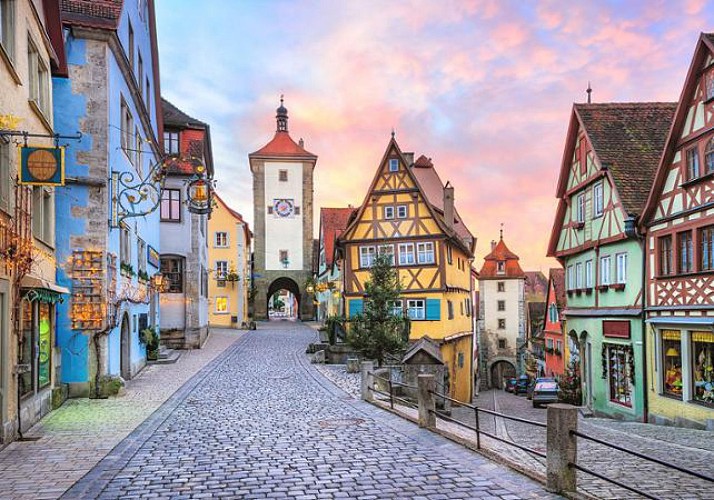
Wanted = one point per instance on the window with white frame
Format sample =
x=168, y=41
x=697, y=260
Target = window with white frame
x=621, y=268
x=402, y=211
x=579, y=275
x=571, y=277
x=7, y=27
x=387, y=250
x=501, y=267
x=43, y=214
x=221, y=239
x=605, y=270
x=581, y=207
x=141, y=255
x=171, y=205
x=127, y=129
x=366, y=256
x=553, y=313
x=124, y=245
x=588, y=274
x=598, y=199
x=693, y=170
x=393, y=165
x=389, y=212
x=425, y=252
x=39, y=79
x=397, y=308
x=416, y=309
x=221, y=269
x=171, y=141
x=406, y=254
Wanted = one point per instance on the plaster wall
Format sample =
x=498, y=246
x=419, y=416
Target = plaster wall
x=284, y=233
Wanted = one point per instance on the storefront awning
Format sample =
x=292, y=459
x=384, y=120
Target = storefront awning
x=42, y=290
x=681, y=320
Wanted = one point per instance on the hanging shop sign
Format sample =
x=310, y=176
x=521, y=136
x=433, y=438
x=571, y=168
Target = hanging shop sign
x=199, y=196
x=42, y=166
x=152, y=256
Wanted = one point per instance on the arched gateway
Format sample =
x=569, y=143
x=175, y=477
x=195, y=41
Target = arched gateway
x=283, y=211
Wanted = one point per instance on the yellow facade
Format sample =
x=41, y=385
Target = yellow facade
x=433, y=263
x=228, y=285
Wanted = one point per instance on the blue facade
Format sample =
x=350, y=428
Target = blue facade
x=100, y=86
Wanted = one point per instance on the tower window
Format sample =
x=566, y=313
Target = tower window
x=501, y=286
x=283, y=176
x=501, y=324
x=393, y=165
x=501, y=267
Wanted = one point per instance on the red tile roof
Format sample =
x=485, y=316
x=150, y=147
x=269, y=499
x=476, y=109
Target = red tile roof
x=282, y=145
x=433, y=189
x=95, y=13
x=628, y=138
x=333, y=221
x=557, y=278
x=501, y=253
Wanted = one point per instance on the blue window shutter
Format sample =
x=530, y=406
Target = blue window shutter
x=433, y=309
x=356, y=307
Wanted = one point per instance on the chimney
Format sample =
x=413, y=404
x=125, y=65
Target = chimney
x=410, y=158
x=301, y=143
x=493, y=245
x=449, y=205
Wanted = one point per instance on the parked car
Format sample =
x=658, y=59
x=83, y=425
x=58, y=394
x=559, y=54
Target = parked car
x=545, y=392
x=533, y=383
x=522, y=384
x=511, y=385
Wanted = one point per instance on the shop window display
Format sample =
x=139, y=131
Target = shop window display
x=36, y=351
x=703, y=360
x=672, y=354
x=620, y=376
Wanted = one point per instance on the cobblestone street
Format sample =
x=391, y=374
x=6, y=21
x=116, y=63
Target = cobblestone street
x=262, y=423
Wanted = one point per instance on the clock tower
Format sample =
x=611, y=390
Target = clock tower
x=282, y=214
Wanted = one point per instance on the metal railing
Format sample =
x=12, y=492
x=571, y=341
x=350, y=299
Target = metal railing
x=561, y=457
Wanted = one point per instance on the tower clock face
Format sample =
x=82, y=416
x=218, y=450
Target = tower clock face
x=284, y=207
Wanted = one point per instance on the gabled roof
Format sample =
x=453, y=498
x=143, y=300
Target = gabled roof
x=236, y=215
x=433, y=190
x=427, y=345
x=501, y=253
x=432, y=181
x=282, y=145
x=704, y=44
x=556, y=278
x=177, y=118
x=332, y=222
x=628, y=138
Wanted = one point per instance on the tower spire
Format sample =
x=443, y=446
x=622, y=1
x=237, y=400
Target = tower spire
x=282, y=116
x=501, y=231
x=589, y=91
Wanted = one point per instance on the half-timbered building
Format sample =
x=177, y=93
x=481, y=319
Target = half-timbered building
x=679, y=218
x=409, y=214
x=556, y=345
x=333, y=221
x=611, y=154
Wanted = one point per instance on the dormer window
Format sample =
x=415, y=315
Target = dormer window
x=393, y=165
x=501, y=267
x=171, y=142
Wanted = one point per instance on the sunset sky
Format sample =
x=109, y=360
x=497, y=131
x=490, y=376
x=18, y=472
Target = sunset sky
x=484, y=88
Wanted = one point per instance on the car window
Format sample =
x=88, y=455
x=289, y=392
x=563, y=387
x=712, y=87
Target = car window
x=546, y=386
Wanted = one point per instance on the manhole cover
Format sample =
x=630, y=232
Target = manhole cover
x=335, y=423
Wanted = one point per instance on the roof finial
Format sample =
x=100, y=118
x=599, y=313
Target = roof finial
x=282, y=116
x=589, y=91
x=501, y=231
x=393, y=132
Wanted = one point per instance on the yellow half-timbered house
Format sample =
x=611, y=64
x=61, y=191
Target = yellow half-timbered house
x=409, y=214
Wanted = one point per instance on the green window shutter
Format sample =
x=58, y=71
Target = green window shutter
x=433, y=309
x=356, y=307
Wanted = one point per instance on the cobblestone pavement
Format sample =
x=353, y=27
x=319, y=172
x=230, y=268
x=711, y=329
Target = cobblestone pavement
x=75, y=437
x=263, y=423
x=685, y=447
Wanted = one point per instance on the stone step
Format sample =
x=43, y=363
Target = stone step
x=166, y=356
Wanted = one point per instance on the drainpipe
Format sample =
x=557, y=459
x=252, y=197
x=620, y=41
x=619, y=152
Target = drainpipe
x=632, y=231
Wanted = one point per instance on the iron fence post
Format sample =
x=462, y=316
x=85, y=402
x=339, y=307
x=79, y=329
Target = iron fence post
x=478, y=429
x=391, y=393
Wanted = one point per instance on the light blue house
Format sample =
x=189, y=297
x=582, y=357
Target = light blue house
x=107, y=253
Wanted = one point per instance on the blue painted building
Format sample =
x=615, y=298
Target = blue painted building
x=105, y=256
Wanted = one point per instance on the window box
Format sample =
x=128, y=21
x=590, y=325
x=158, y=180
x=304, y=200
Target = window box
x=143, y=276
x=603, y=288
x=579, y=225
x=127, y=269
x=618, y=286
x=578, y=291
x=570, y=293
x=588, y=291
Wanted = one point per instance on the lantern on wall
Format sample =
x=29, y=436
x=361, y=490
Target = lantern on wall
x=199, y=196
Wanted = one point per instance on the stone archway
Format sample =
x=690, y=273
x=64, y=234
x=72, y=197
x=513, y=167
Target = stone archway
x=500, y=371
x=288, y=284
x=125, y=348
